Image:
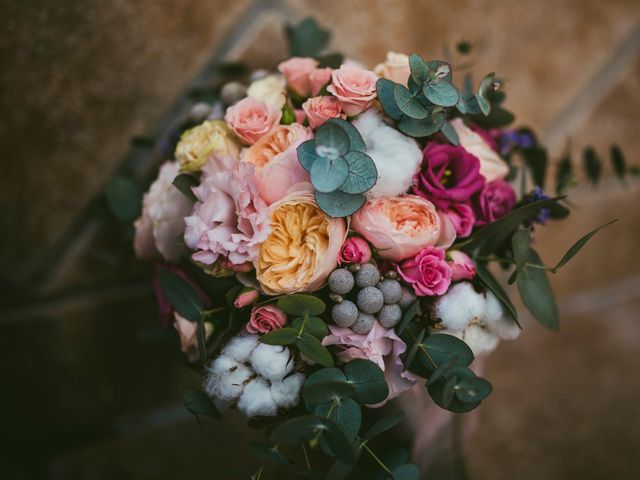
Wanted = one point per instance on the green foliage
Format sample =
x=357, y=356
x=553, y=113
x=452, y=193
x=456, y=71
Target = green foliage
x=408, y=315
x=408, y=471
x=124, y=198
x=345, y=412
x=381, y=426
x=184, y=182
x=536, y=293
x=442, y=348
x=576, y=247
x=592, y=165
x=268, y=453
x=327, y=391
x=311, y=347
x=537, y=160
x=618, y=161
x=564, y=174
x=444, y=391
x=451, y=134
x=489, y=281
x=368, y=381
x=307, y=38
x=281, y=336
x=299, y=304
x=181, y=295
x=313, y=325
x=385, y=89
x=340, y=171
x=199, y=403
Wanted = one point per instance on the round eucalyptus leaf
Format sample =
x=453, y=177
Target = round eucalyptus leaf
x=408, y=471
x=368, y=380
x=443, y=390
x=384, y=89
x=421, y=128
x=339, y=204
x=363, y=173
x=356, y=143
x=269, y=453
x=307, y=154
x=408, y=103
x=346, y=413
x=442, y=93
x=332, y=136
x=327, y=391
x=443, y=348
x=418, y=68
x=472, y=389
x=328, y=174
x=326, y=375
x=299, y=304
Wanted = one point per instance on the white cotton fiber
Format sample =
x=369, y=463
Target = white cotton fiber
x=271, y=361
x=286, y=393
x=240, y=347
x=497, y=320
x=213, y=372
x=480, y=340
x=460, y=306
x=397, y=157
x=231, y=383
x=256, y=400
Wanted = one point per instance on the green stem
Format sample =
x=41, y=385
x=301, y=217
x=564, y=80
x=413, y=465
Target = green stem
x=258, y=474
x=304, y=324
x=459, y=464
x=313, y=442
x=206, y=313
x=377, y=459
x=306, y=457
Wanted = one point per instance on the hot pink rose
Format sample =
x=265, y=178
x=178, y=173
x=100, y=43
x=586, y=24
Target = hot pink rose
x=355, y=88
x=321, y=109
x=246, y=297
x=297, y=72
x=355, y=250
x=428, y=272
x=398, y=227
x=381, y=346
x=462, y=267
x=319, y=78
x=462, y=217
x=265, y=319
x=250, y=119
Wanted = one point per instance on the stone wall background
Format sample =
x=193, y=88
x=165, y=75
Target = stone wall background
x=93, y=388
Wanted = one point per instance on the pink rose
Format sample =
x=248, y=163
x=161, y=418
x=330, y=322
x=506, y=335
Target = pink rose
x=492, y=167
x=428, y=272
x=381, y=346
x=355, y=88
x=355, y=250
x=398, y=227
x=496, y=199
x=462, y=217
x=246, y=297
x=265, y=319
x=319, y=78
x=462, y=267
x=297, y=72
x=321, y=109
x=250, y=119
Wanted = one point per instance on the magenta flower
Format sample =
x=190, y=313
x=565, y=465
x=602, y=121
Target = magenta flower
x=355, y=250
x=462, y=217
x=448, y=175
x=495, y=200
x=428, y=272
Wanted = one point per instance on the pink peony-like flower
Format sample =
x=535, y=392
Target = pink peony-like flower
x=398, y=227
x=495, y=200
x=492, y=167
x=462, y=267
x=321, y=109
x=355, y=250
x=276, y=161
x=428, y=272
x=381, y=346
x=355, y=88
x=239, y=268
x=160, y=225
x=297, y=72
x=448, y=175
x=250, y=119
x=462, y=217
x=246, y=297
x=265, y=319
x=229, y=219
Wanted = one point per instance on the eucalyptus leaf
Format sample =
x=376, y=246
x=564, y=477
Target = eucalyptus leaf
x=307, y=38
x=450, y=133
x=481, y=96
x=537, y=160
x=199, y=403
x=181, y=295
x=327, y=391
x=418, y=68
x=408, y=103
x=307, y=154
x=520, y=246
x=472, y=389
x=408, y=315
x=269, y=453
x=439, y=71
x=281, y=336
x=368, y=380
x=384, y=89
x=356, y=143
x=346, y=413
x=408, y=471
x=442, y=348
x=576, y=247
x=422, y=128
x=339, y=204
x=185, y=182
x=442, y=93
x=494, y=286
x=564, y=174
x=415, y=347
x=381, y=426
x=332, y=137
x=362, y=173
x=536, y=293
x=443, y=390
x=618, y=162
x=328, y=174
x=592, y=165
x=311, y=347
x=300, y=304
x=124, y=198
x=313, y=325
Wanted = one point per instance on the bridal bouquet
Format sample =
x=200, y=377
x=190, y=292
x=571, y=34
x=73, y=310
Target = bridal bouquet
x=323, y=242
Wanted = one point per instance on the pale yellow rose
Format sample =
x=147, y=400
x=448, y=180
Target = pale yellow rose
x=270, y=89
x=395, y=68
x=303, y=247
x=197, y=144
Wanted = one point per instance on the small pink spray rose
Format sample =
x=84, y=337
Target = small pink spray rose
x=355, y=250
x=266, y=318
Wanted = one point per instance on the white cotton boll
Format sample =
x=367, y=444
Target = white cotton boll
x=480, y=340
x=459, y=306
x=213, y=372
x=231, y=383
x=397, y=157
x=271, y=361
x=256, y=399
x=497, y=320
x=240, y=347
x=286, y=393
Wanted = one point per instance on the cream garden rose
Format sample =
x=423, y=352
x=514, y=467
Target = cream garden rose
x=303, y=246
x=197, y=144
x=394, y=68
x=270, y=90
x=492, y=167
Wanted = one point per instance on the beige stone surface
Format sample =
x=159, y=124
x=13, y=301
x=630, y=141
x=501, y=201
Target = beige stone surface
x=79, y=79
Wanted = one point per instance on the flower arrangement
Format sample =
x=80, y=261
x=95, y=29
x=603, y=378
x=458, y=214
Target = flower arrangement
x=323, y=244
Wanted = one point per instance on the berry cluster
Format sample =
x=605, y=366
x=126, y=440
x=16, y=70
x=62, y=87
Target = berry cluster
x=363, y=295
